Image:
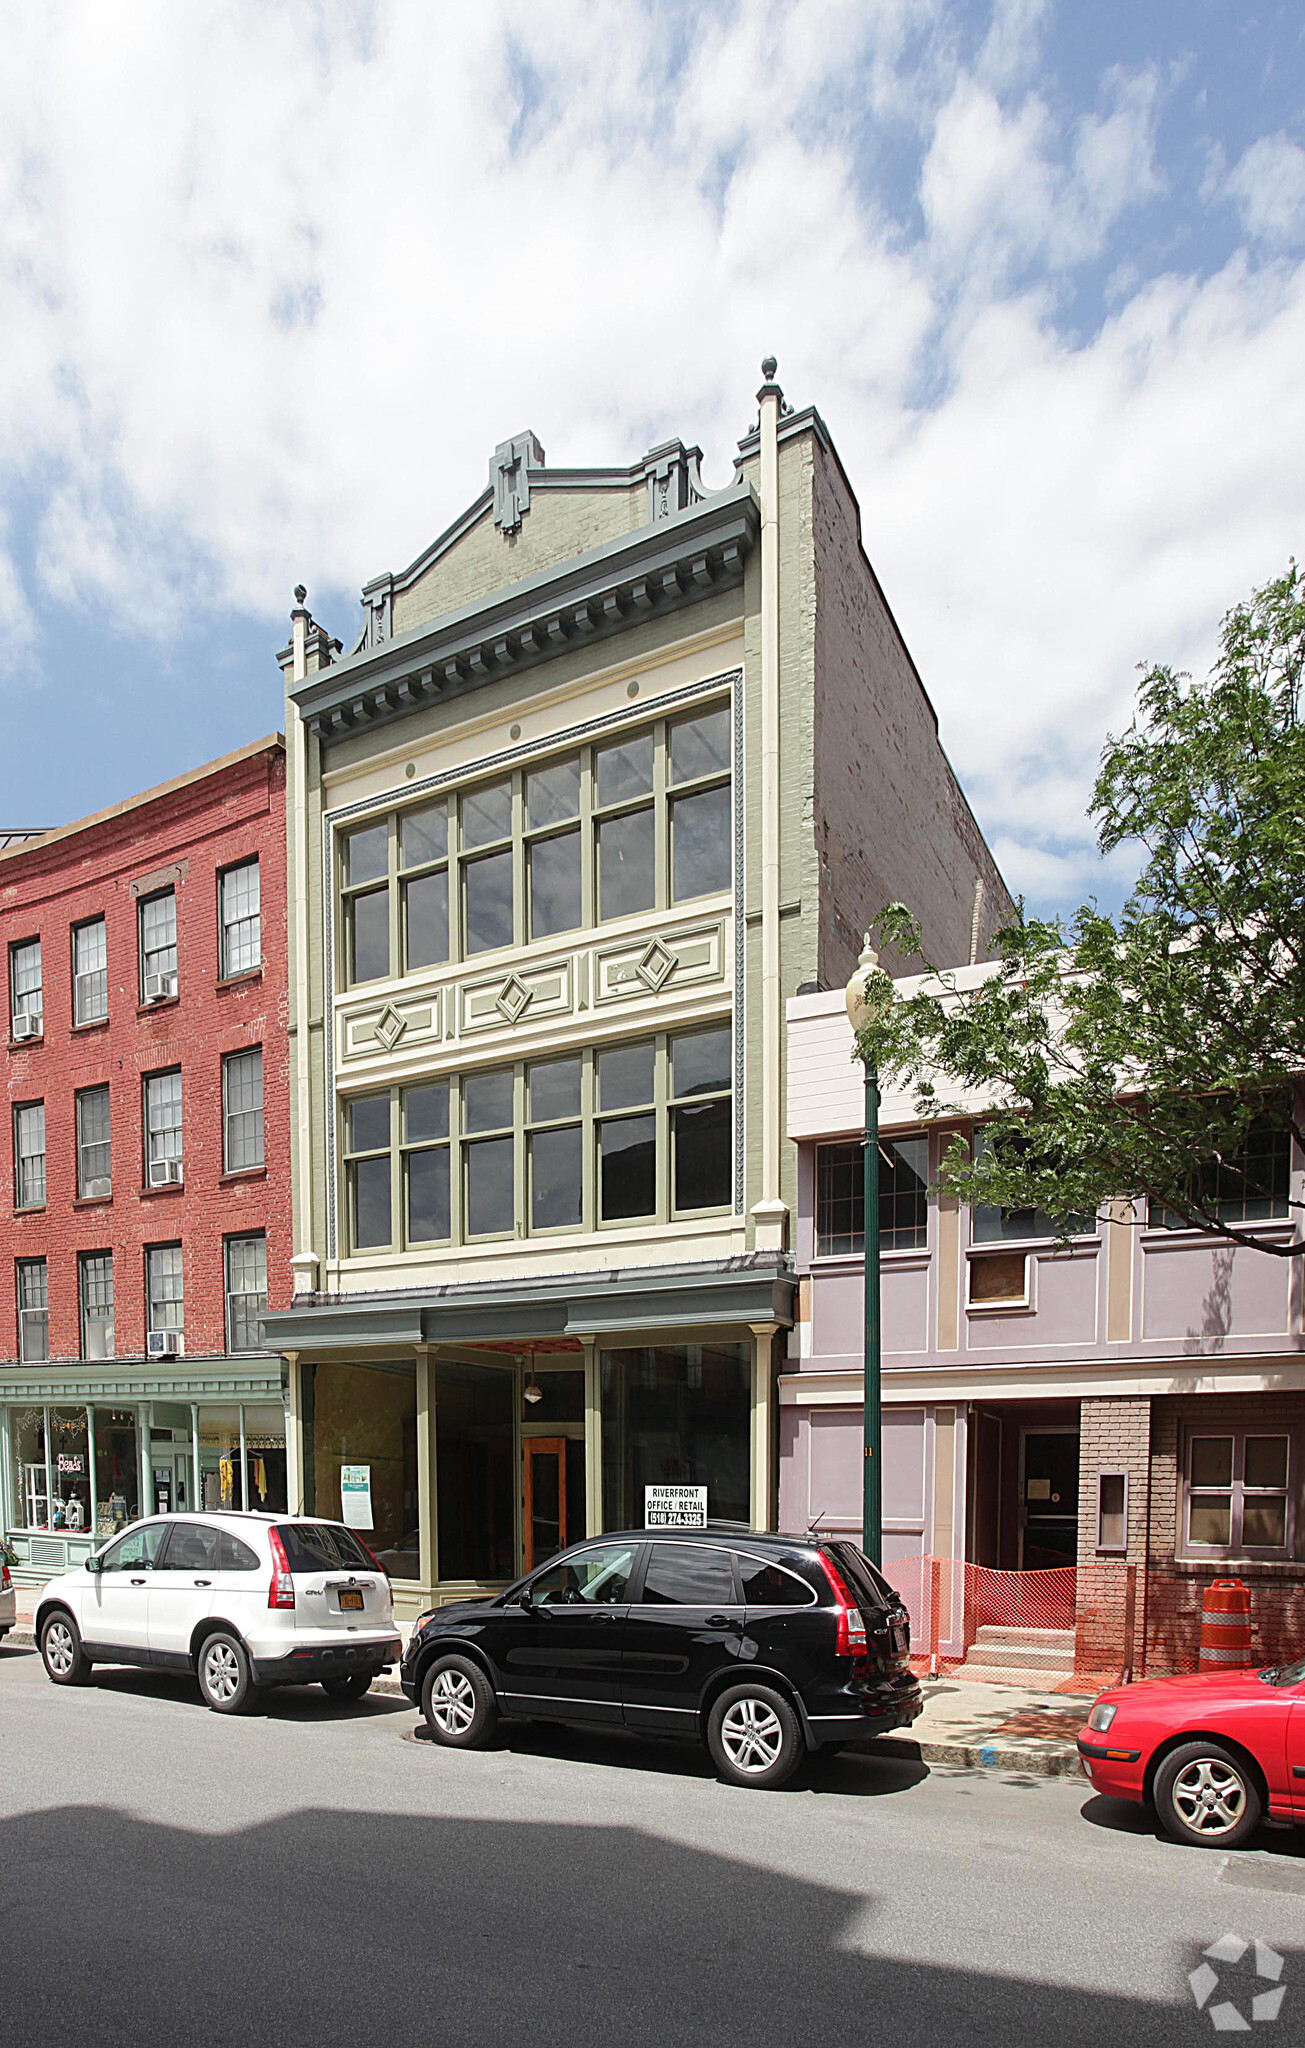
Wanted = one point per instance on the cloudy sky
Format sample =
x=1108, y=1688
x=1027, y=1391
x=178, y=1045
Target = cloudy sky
x=275, y=278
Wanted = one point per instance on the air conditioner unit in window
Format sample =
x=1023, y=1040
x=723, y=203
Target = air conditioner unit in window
x=101, y=1185
x=164, y=1344
x=158, y=987
x=27, y=1024
x=165, y=1173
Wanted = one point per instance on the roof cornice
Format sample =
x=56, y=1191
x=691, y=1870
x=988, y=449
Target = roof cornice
x=659, y=568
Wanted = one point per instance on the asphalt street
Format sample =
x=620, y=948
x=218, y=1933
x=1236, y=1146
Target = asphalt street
x=321, y=1873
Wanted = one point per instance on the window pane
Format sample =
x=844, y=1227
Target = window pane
x=1211, y=1519
x=487, y=1101
x=625, y=770
x=700, y=843
x=423, y=835
x=243, y=1075
x=367, y=854
x=625, y=1076
x=700, y=746
x=90, y=968
x=477, y=1476
x=1266, y=1461
x=356, y=1416
x=1212, y=1461
x=555, y=1178
x=97, y=1304
x=487, y=814
x=700, y=1062
x=426, y=1111
x=426, y=919
x=369, y=935
x=627, y=1151
x=490, y=1207
x=555, y=884
x=164, y=1287
x=242, y=944
x=626, y=877
x=554, y=1090
x=840, y=1200
x=369, y=1123
x=702, y=1155
x=683, y=1575
x=488, y=894
x=769, y=1585
x=371, y=1202
x=428, y=1194
x=553, y=794
x=676, y=1414
x=1264, y=1524
x=158, y=930
x=597, y=1578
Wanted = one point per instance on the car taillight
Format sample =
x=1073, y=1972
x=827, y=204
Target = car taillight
x=5, y=1580
x=281, y=1592
x=851, y=1627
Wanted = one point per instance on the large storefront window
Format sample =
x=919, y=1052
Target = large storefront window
x=70, y=1470
x=677, y=1414
x=117, y=1470
x=361, y=1424
x=31, y=1510
x=476, y=1483
x=242, y=1459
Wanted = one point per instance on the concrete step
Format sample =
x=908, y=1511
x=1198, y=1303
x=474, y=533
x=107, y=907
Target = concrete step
x=998, y=1657
x=1031, y=1638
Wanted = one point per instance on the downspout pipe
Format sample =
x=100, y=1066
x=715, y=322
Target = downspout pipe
x=770, y=1214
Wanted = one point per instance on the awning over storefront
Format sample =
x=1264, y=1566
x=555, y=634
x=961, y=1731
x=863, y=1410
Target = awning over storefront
x=738, y=1294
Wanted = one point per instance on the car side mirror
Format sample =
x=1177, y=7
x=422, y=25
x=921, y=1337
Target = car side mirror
x=526, y=1600
x=94, y=1565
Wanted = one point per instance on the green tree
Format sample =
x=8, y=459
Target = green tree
x=1156, y=1055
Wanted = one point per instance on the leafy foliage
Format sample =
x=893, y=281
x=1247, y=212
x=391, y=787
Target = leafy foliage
x=1154, y=1054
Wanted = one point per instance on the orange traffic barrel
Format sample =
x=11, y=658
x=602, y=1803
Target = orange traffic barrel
x=1226, y=1627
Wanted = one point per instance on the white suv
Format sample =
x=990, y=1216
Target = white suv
x=242, y=1600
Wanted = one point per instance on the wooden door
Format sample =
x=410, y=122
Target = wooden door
x=545, y=1498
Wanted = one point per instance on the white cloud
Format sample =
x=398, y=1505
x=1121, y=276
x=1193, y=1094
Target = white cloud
x=275, y=281
x=1268, y=186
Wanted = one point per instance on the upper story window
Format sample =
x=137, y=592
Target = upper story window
x=95, y=1273
x=602, y=832
x=990, y=1224
x=240, y=920
x=90, y=972
x=642, y=1130
x=1252, y=1185
x=93, y=1168
x=158, y=946
x=1237, y=1495
x=163, y=1128
x=33, y=1312
x=164, y=1290
x=242, y=1110
x=246, y=1277
x=903, y=1196
x=26, y=999
x=29, y=1155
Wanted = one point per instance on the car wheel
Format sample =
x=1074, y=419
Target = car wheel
x=754, y=1737
x=225, y=1679
x=1206, y=1794
x=351, y=1686
x=66, y=1662
x=458, y=1702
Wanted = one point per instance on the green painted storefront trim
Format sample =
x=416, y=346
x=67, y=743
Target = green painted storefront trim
x=194, y=1379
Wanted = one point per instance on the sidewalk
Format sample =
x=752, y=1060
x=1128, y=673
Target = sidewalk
x=971, y=1727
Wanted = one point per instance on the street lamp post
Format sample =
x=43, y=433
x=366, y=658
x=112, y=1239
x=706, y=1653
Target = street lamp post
x=865, y=1004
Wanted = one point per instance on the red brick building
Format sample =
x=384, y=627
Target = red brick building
x=147, y=1222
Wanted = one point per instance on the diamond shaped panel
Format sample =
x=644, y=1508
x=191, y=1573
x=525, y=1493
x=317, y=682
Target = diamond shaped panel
x=390, y=1027
x=656, y=967
x=513, y=999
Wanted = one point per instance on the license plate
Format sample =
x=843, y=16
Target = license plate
x=351, y=1600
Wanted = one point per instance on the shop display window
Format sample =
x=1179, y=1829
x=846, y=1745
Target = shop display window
x=676, y=1414
x=477, y=1472
x=361, y=1423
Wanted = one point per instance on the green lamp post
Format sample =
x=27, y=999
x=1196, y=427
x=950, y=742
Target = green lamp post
x=868, y=996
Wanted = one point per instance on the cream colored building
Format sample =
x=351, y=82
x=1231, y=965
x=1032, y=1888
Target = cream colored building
x=617, y=764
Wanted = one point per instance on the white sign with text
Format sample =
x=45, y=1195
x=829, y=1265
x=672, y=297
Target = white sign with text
x=675, y=1507
x=356, y=1496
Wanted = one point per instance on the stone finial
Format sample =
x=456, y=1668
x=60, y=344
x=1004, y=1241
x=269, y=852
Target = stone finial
x=301, y=592
x=768, y=368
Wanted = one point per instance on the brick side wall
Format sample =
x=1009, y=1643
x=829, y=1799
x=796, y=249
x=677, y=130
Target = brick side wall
x=1177, y=1587
x=1114, y=1436
x=184, y=837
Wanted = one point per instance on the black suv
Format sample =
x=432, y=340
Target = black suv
x=765, y=1646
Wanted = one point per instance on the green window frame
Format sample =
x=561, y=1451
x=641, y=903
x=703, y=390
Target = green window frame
x=639, y=1131
x=571, y=839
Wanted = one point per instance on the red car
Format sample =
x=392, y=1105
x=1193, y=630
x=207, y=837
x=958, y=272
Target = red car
x=1214, y=1753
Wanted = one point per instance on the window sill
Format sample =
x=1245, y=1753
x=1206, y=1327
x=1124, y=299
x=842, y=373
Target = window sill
x=174, y=1187
x=1019, y=1305
x=1200, y=1567
x=239, y=1173
x=92, y=1024
x=93, y=1201
x=26, y=1044
x=164, y=1003
x=239, y=980
x=29, y=1209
